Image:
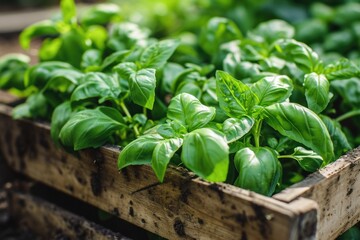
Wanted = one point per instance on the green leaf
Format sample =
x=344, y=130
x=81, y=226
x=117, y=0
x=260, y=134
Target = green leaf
x=39, y=74
x=100, y=14
x=43, y=28
x=259, y=170
x=272, y=89
x=91, y=60
x=236, y=128
x=172, y=129
x=338, y=137
x=349, y=90
x=307, y=159
x=206, y=153
x=59, y=87
x=91, y=128
x=316, y=91
x=162, y=155
x=342, y=69
x=125, y=35
x=156, y=55
x=352, y=234
x=302, y=125
x=235, y=98
x=189, y=111
x=139, y=151
x=68, y=11
x=273, y=30
x=12, y=70
x=115, y=58
x=97, y=85
x=125, y=70
x=73, y=39
x=218, y=31
x=299, y=53
x=142, y=86
x=36, y=106
x=98, y=36
x=59, y=117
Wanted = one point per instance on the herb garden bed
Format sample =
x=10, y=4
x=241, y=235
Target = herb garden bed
x=323, y=205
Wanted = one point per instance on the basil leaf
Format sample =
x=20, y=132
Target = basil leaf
x=142, y=87
x=190, y=87
x=91, y=60
x=349, y=90
x=307, y=159
x=98, y=36
x=341, y=143
x=156, y=55
x=60, y=85
x=139, y=151
x=97, y=85
x=342, y=69
x=272, y=89
x=162, y=155
x=316, y=91
x=73, y=39
x=299, y=53
x=274, y=29
x=235, y=128
x=91, y=128
x=40, y=73
x=302, y=125
x=171, y=129
x=125, y=35
x=218, y=31
x=206, y=153
x=59, y=117
x=68, y=11
x=235, y=98
x=123, y=69
x=100, y=14
x=113, y=59
x=43, y=28
x=36, y=106
x=12, y=70
x=259, y=170
x=189, y=111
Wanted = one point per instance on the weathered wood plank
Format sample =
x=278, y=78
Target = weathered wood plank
x=7, y=98
x=336, y=188
x=183, y=207
x=52, y=222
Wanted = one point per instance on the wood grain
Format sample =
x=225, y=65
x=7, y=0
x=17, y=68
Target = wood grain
x=52, y=222
x=336, y=189
x=183, y=207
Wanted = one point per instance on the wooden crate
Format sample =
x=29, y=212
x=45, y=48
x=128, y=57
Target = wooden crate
x=185, y=207
x=49, y=221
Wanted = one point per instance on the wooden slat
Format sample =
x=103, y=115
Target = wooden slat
x=52, y=222
x=183, y=207
x=336, y=188
x=7, y=98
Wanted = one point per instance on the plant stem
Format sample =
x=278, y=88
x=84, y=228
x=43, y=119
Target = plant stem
x=129, y=117
x=126, y=111
x=287, y=156
x=348, y=115
x=256, y=133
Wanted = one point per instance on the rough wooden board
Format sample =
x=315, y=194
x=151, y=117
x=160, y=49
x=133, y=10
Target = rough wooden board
x=183, y=207
x=52, y=222
x=7, y=98
x=336, y=188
